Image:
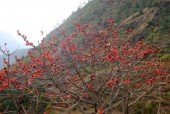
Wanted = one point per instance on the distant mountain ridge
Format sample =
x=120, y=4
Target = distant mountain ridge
x=12, y=43
x=19, y=53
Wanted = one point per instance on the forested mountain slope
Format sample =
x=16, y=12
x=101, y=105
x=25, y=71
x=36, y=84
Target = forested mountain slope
x=150, y=19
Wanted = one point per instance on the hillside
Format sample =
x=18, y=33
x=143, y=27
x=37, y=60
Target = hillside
x=150, y=19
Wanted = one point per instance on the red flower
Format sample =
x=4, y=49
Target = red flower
x=89, y=86
x=15, y=71
x=0, y=74
x=100, y=112
x=6, y=73
x=168, y=81
x=114, y=51
x=1, y=87
x=136, y=85
x=158, y=71
x=103, y=58
x=109, y=57
x=5, y=84
x=143, y=76
x=118, y=58
x=19, y=87
x=110, y=83
x=92, y=76
x=13, y=81
x=135, y=67
x=83, y=58
x=126, y=82
x=150, y=81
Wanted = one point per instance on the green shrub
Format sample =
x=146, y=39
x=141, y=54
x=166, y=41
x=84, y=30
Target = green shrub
x=165, y=57
x=138, y=108
x=140, y=10
x=165, y=24
x=155, y=4
x=168, y=95
x=149, y=107
x=49, y=107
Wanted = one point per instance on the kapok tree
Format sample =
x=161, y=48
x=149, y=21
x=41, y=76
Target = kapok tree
x=108, y=72
x=98, y=69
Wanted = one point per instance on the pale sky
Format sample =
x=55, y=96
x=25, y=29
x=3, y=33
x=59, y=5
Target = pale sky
x=32, y=16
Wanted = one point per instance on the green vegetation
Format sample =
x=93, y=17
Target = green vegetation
x=165, y=24
x=168, y=95
x=150, y=107
x=138, y=108
x=165, y=57
x=130, y=8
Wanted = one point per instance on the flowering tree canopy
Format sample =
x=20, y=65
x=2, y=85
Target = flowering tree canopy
x=99, y=69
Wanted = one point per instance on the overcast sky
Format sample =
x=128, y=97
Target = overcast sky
x=32, y=16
